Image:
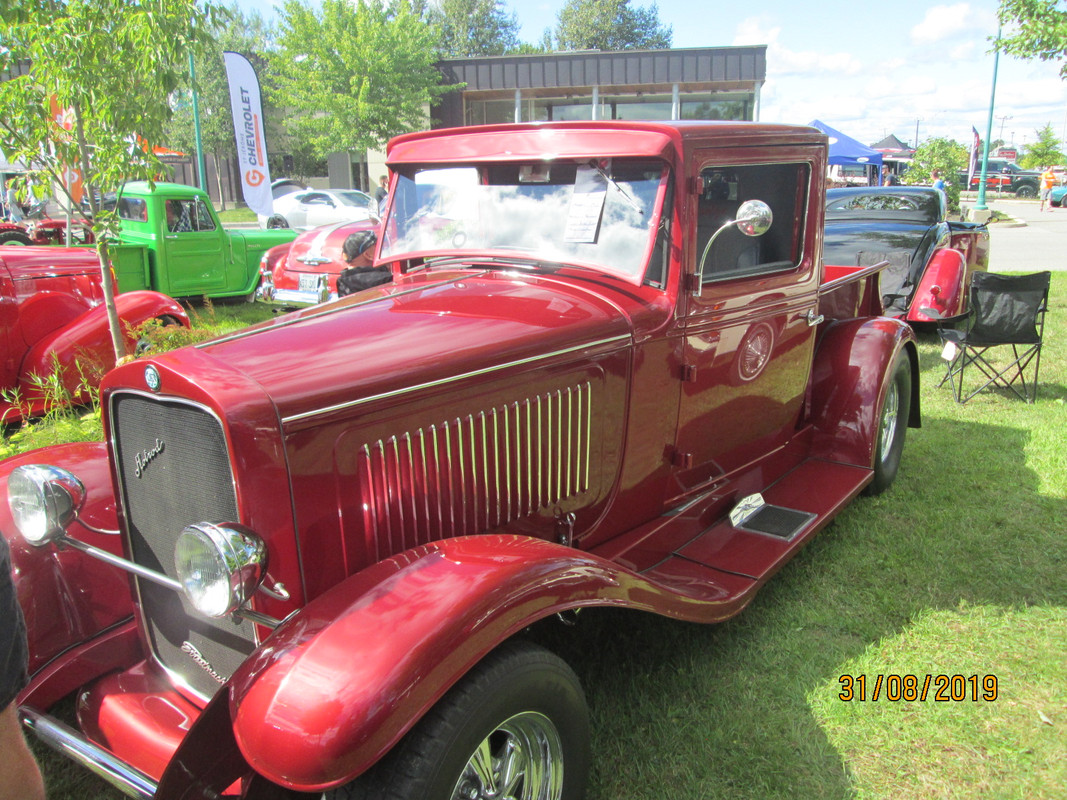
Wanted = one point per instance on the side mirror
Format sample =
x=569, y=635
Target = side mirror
x=754, y=218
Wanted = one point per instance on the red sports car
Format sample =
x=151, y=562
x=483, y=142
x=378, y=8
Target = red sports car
x=304, y=271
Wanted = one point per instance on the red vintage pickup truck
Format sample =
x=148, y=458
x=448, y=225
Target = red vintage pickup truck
x=611, y=370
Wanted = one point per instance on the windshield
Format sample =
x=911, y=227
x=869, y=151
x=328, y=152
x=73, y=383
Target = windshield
x=601, y=214
x=357, y=199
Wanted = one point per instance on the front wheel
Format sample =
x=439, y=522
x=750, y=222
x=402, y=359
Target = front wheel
x=1026, y=191
x=892, y=425
x=516, y=727
x=277, y=221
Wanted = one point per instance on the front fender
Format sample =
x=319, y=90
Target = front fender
x=87, y=339
x=942, y=287
x=66, y=596
x=849, y=380
x=335, y=687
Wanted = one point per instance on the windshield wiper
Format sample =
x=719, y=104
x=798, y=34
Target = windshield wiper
x=619, y=189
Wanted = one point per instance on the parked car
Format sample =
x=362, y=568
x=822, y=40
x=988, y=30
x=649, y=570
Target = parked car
x=1005, y=176
x=304, y=272
x=45, y=231
x=930, y=259
x=315, y=207
x=1056, y=195
x=612, y=370
x=52, y=317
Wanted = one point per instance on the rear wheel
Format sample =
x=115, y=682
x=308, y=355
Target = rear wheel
x=892, y=425
x=516, y=727
x=15, y=238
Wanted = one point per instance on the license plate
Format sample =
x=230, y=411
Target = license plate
x=310, y=282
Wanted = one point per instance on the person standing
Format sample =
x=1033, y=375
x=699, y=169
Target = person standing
x=1048, y=180
x=20, y=777
x=938, y=181
x=14, y=210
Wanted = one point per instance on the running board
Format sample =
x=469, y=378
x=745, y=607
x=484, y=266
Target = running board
x=763, y=532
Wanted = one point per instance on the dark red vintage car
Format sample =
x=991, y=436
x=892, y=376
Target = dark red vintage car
x=930, y=259
x=52, y=318
x=304, y=272
x=612, y=370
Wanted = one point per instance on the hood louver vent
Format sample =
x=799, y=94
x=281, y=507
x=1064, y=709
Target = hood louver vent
x=476, y=473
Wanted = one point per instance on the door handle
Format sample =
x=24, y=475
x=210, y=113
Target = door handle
x=813, y=318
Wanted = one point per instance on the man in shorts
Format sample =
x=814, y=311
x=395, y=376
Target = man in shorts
x=19, y=776
x=1048, y=180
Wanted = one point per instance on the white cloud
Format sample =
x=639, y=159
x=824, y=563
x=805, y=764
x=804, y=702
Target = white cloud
x=947, y=23
x=782, y=61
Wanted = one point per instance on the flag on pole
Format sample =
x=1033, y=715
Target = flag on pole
x=972, y=168
x=247, y=110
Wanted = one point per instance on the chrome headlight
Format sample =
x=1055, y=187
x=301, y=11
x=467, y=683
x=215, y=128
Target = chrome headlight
x=219, y=566
x=43, y=500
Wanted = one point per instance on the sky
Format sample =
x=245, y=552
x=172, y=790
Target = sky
x=919, y=68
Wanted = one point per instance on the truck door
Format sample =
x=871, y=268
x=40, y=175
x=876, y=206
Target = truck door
x=193, y=259
x=749, y=322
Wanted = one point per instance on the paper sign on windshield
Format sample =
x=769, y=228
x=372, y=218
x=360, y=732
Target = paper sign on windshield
x=587, y=205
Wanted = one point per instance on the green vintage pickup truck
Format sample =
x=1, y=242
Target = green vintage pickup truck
x=171, y=240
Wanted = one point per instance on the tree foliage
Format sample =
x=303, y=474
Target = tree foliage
x=1045, y=152
x=110, y=65
x=610, y=25
x=352, y=75
x=948, y=157
x=1036, y=29
x=474, y=28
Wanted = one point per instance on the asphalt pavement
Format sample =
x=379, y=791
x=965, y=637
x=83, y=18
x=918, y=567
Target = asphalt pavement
x=1036, y=241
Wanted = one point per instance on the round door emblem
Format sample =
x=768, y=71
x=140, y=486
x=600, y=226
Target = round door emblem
x=755, y=351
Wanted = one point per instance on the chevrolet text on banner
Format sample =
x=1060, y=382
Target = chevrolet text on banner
x=248, y=127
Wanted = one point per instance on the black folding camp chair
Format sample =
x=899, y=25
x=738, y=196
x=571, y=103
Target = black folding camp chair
x=1006, y=311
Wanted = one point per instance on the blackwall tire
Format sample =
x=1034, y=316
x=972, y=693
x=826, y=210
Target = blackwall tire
x=15, y=238
x=522, y=708
x=1026, y=191
x=277, y=221
x=892, y=426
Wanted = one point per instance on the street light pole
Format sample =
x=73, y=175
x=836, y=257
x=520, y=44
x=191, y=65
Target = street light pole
x=980, y=204
x=201, y=180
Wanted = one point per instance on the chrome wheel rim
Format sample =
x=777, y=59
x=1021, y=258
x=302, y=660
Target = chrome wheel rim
x=889, y=421
x=522, y=759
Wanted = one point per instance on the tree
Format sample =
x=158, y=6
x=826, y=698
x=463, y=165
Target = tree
x=610, y=25
x=353, y=75
x=247, y=34
x=474, y=28
x=107, y=67
x=948, y=157
x=1037, y=29
x=1044, y=152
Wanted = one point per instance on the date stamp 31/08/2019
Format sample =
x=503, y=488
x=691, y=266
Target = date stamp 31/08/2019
x=911, y=688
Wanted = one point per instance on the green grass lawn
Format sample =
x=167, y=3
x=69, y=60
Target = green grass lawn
x=959, y=569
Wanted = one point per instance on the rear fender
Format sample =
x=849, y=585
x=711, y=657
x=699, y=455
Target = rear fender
x=87, y=339
x=335, y=686
x=942, y=287
x=67, y=596
x=850, y=377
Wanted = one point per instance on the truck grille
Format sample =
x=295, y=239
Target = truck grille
x=174, y=470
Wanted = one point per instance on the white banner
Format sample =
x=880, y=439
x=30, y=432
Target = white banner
x=251, y=139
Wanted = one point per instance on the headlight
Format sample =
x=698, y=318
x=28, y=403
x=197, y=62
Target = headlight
x=219, y=566
x=43, y=500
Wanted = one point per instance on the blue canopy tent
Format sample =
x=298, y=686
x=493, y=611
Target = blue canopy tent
x=844, y=150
